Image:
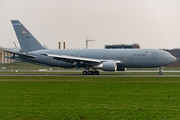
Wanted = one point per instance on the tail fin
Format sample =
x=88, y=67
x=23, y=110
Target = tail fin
x=26, y=39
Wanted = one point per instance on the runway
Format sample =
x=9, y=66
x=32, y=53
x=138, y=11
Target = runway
x=105, y=75
x=72, y=75
x=129, y=73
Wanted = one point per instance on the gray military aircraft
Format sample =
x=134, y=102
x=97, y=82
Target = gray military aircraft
x=105, y=59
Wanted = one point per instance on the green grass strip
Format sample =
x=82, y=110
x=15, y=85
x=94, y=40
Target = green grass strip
x=89, y=98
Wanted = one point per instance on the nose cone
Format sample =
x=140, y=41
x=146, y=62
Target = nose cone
x=172, y=59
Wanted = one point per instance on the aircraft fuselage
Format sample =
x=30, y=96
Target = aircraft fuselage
x=136, y=58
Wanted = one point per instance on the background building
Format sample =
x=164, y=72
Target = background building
x=3, y=59
x=2, y=54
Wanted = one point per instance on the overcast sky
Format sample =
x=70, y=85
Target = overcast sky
x=150, y=23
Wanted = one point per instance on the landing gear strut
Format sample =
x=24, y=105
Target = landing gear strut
x=90, y=72
x=160, y=70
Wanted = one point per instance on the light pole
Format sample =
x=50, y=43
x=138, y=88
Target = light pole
x=88, y=40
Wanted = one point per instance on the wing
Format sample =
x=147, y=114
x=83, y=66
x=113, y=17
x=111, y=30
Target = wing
x=72, y=59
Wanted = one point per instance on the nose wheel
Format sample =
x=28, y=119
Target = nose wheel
x=160, y=72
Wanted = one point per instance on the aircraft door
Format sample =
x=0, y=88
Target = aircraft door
x=155, y=56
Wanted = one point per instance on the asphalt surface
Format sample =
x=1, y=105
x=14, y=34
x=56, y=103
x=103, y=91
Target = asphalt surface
x=129, y=73
x=104, y=75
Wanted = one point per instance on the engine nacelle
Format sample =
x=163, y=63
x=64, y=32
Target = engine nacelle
x=107, y=66
x=121, y=69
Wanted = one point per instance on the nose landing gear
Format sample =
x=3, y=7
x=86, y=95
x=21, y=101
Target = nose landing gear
x=160, y=70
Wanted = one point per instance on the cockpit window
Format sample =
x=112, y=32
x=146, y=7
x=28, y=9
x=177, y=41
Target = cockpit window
x=167, y=54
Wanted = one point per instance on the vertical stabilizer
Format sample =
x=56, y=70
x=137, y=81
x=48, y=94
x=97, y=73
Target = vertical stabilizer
x=26, y=39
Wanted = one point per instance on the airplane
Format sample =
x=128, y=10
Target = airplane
x=96, y=59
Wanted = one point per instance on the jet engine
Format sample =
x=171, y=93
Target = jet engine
x=107, y=66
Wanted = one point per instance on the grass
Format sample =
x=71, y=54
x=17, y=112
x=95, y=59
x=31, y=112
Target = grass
x=99, y=98
x=24, y=66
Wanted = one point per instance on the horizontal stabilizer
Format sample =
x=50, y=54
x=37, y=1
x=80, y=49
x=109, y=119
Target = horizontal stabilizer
x=20, y=54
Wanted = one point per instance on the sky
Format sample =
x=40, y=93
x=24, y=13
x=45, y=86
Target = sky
x=150, y=23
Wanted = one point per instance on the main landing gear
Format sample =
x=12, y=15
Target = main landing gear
x=90, y=72
x=160, y=70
